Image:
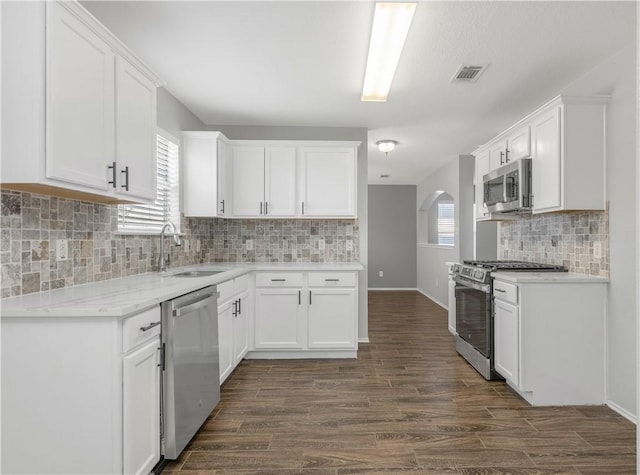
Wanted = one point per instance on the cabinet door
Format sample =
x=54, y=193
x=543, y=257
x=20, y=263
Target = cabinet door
x=452, y=307
x=141, y=408
x=519, y=144
x=241, y=328
x=482, y=168
x=332, y=318
x=280, y=181
x=507, y=346
x=546, y=165
x=328, y=184
x=225, y=339
x=135, y=132
x=248, y=180
x=279, y=318
x=223, y=201
x=80, y=103
x=498, y=154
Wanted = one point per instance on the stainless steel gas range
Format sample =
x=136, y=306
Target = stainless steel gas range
x=474, y=308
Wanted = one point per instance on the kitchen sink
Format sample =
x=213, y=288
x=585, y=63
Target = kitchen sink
x=197, y=273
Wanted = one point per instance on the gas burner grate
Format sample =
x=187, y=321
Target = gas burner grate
x=516, y=265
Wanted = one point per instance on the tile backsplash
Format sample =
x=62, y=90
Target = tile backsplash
x=579, y=240
x=30, y=225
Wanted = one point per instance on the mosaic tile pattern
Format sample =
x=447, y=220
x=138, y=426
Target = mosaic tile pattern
x=569, y=239
x=30, y=224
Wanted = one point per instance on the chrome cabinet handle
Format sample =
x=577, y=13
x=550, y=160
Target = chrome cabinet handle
x=112, y=167
x=235, y=308
x=506, y=155
x=332, y=280
x=303, y=207
x=501, y=155
x=261, y=207
x=309, y=297
x=500, y=290
x=149, y=327
x=126, y=178
x=222, y=207
x=266, y=207
x=239, y=306
x=299, y=297
x=278, y=280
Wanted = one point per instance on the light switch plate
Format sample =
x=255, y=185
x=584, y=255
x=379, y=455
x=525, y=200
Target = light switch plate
x=380, y=274
x=62, y=249
x=597, y=250
x=349, y=245
x=321, y=244
x=249, y=243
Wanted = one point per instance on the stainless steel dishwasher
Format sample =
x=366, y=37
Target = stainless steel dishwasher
x=191, y=381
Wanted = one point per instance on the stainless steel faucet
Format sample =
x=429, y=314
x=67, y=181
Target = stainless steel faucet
x=162, y=264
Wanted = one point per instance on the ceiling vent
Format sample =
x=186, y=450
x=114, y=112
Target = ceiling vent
x=467, y=73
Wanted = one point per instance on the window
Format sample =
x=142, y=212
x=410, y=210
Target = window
x=148, y=219
x=445, y=224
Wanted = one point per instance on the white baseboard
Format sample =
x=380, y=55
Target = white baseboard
x=363, y=340
x=393, y=288
x=446, y=307
x=623, y=412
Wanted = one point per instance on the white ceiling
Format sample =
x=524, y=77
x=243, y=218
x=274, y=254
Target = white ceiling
x=302, y=64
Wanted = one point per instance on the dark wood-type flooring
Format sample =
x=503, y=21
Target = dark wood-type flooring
x=408, y=403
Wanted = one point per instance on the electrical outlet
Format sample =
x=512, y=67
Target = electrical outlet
x=380, y=274
x=349, y=245
x=62, y=249
x=249, y=243
x=197, y=245
x=321, y=244
x=597, y=250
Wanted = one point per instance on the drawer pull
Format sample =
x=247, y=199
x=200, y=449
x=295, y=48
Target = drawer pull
x=500, y=290
x=278, y=280
x=332, y=280
x=149, y=327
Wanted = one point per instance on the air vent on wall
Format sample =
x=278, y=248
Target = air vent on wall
x=467, y=73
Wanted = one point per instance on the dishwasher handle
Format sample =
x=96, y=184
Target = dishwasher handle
x=195, y=304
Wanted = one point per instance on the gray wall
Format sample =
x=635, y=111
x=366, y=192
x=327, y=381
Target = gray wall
x=456, y=178
x=325, y=133
x=392, y=236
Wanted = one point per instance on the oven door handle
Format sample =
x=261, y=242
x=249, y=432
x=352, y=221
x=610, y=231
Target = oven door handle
x=465, y=283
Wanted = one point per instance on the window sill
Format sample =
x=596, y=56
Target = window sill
x=437, y=246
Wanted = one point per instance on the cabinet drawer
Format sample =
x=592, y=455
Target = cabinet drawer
x=138, y=328
x=505, y=291
x=332, y=279
x=241, y=283
x=279, y=279
x=226, y=291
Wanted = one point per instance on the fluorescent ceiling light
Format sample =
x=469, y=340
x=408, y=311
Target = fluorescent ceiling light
x=391, y=22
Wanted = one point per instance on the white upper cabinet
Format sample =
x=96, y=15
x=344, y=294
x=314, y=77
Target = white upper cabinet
x=482, y=168
x=519, y=144
x=328, y=181
x=279, y=179
x=80, y=113
x=135, y=132
x=568, y=166
x=247, y=164
x=83, y=103
x=497, y=154
x=546, y=172
x=204, y=161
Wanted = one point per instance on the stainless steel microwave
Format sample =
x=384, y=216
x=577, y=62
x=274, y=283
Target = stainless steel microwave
x=508, y=189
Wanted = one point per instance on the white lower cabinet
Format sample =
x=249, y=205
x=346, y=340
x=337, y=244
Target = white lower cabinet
x=91, y=401
x=279, y=318
x=297, y=314
x=141, y=408
x=233, y=329
x=549, y=343
x=506, y=340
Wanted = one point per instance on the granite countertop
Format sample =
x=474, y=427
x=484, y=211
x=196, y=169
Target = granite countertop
x=129, y=295
x=548, y=277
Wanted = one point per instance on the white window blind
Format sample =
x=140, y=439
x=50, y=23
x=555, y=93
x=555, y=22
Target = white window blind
x=148, y=219
x=445, y=224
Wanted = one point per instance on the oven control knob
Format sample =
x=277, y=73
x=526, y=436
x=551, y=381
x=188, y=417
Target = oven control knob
x=479, y=274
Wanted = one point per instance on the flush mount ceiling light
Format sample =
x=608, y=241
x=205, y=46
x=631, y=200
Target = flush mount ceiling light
x=391, y=22
x=386, y=146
